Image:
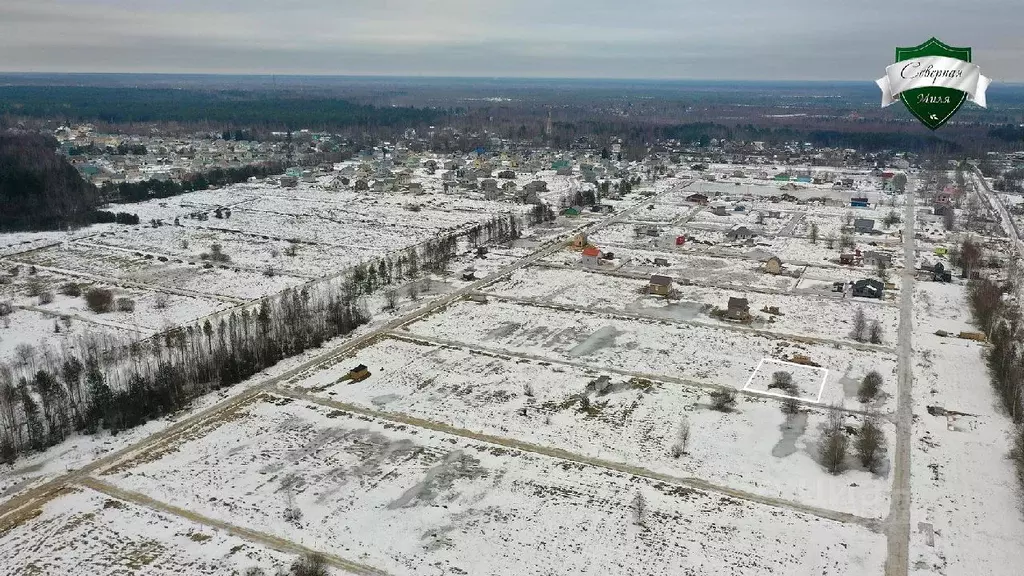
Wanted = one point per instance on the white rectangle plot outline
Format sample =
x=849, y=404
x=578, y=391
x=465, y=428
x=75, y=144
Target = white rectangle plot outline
x=750, y=380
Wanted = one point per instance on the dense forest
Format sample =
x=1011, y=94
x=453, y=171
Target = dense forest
x=225, y=107
x=40, y=189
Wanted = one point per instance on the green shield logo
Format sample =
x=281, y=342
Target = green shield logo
x=933, y=80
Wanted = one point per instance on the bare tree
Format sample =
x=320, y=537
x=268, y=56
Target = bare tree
x=948, y=218
x=830, y=241
x=860, y=324
x=414, y=291
x=875, y=332
x=970, y=256
x=834, y=442
x=813, y=235
x=391, y=299
x=682, y=438
x=870, y=444
x=639, y=509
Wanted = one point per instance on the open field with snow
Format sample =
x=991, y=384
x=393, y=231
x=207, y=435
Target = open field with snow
x=634, y=421
x=412, y=502
x=697, y=353
x=800, y=315
x=86, y=532
x=965, y=515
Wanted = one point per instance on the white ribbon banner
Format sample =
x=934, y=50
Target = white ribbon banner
x=933, y=71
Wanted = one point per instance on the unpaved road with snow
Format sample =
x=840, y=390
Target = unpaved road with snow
x=898, y=523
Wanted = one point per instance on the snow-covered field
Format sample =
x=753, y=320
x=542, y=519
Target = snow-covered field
x=965, y=511
x=86, y=532
x=634, y=422
x=801, y=315
x=418, y=502
x=702, y=354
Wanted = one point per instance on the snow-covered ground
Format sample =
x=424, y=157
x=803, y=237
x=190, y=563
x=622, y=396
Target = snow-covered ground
x=634, y=422
x=417, y=502
x=801, y=315
x=965, y=506
x=87, y=532
x=703, y=354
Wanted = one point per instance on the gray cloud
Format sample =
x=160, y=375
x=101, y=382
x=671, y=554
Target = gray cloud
x=727, y=39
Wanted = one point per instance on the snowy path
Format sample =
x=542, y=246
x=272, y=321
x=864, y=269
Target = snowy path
x=261, y=538
x=898, y=523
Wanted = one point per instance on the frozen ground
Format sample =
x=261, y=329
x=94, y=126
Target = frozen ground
x=85, y=532
x=417, y=502
x=965, y=515
x=801, y=315
x=703, y=354
x=634, y=422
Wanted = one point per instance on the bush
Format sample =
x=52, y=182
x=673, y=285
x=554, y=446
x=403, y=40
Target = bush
x=73, y=289
x=35, y=287
x=869, y=386
x=160, y=302
x=45, y=298
x=310, y=565
x=6, y=309
x=870, y=444
x=99, y=300
x=723, y=400
x=783, y=381
x=125, y=305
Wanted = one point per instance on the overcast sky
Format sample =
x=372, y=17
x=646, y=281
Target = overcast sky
x=679, y=39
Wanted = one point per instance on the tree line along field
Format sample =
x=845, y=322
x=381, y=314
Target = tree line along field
x=124, y=359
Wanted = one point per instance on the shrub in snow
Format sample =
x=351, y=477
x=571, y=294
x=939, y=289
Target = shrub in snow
x=870, y=444
x=125, y=305
x=45, y=298
x=869, y=387
x=723, y=400
x=72, y=289
x=99, y=300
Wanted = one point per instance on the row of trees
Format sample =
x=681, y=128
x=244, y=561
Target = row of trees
x=102, y=383
x=216, y=177
x=1001, y=320
x=47, y=395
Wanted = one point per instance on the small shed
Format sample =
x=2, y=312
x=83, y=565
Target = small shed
x=859, y=202
x=660, y=285
x=358, y=374
x=739, y=309
x=697, y=198
x=591, y=256
x=863, y=225
x=719, y=210
x=847, y=259
x=739, y=233
x=773, y=265
x=661, y=262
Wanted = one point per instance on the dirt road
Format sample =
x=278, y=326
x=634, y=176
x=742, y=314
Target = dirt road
x=898, y=522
